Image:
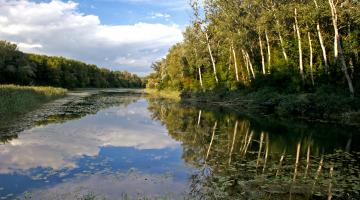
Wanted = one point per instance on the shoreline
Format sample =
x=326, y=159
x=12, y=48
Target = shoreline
x=301, y=106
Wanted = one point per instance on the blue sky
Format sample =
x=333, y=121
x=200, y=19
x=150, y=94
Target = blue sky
x=115, y=12
x=116, y=34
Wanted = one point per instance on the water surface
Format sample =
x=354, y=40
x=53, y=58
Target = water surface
x=123, y=144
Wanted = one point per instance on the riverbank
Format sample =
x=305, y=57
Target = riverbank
x=322, y=105
x=16, y=100
x=169, y=94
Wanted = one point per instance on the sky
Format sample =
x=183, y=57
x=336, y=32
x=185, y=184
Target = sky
x=115, y=34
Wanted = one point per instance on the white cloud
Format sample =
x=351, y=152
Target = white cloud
x=58, y=28
x=159, y=15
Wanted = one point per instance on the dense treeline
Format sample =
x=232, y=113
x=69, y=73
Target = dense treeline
x=17, y=67
x=291, y=46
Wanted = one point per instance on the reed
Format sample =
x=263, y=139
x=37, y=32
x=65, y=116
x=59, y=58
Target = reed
x=16, y=100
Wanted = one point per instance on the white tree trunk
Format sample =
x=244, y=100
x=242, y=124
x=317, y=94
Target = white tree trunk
x=262, y=54
x=200, y=77
x=322, y=43
x=269, y=50
x=235, y=63
x=281, y=40
x=283, y=48
x=323, y=48
x=211, y=57
x=246, y=63
x=230, y=57
x=311, y=59
x=301, y=66
x=250, y=64
x=199, y=70
x=337, y=46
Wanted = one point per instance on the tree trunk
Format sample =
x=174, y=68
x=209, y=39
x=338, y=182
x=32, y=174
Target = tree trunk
x=246, y=63
x=280, y=37
x=262, y=54
x=269, y=51
x=211, y=57
x=283, y=48
x=201, y=82
x=250, y=64
x=300, y=48
x=322, y=43
x=199, y=70
x=230, y=57
x=338, y=51
x=311, y=59
x=235, y=63
x=323, y=48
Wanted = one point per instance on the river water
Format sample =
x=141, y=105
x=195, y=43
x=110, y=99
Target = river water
x=123, y=144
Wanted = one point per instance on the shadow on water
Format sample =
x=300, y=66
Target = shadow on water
x=113, y=143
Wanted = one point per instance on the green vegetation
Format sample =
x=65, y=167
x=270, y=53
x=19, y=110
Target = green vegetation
x=300, y=54
x=324, y=104
x=17, y=67
x=15, y=100
x=170, y=94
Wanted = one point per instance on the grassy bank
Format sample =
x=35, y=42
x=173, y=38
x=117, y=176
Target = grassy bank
x=170, y=94
x=15, y=100
x=326, y=104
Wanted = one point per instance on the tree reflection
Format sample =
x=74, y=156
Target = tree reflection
x=238, y=158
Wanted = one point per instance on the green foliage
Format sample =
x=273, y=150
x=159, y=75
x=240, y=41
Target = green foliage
x=17, y=67
x=231, y=31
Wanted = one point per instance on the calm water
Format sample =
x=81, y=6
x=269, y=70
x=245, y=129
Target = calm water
x=125, y=145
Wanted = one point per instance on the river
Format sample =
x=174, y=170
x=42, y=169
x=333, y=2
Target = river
x=123, y=144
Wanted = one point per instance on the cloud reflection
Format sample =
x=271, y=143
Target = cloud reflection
x=58, y=146
x=114, y=186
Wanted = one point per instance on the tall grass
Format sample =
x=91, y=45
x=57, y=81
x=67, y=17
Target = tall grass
x=15, y=100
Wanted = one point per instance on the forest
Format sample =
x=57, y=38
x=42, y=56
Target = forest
x=288, y=47
x=21, y=68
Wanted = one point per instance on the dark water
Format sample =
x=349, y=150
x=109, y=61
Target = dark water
x=126, y=145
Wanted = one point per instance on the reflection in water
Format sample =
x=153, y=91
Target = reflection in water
x=113, y=135
x=238, y=158
x=118, y=145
